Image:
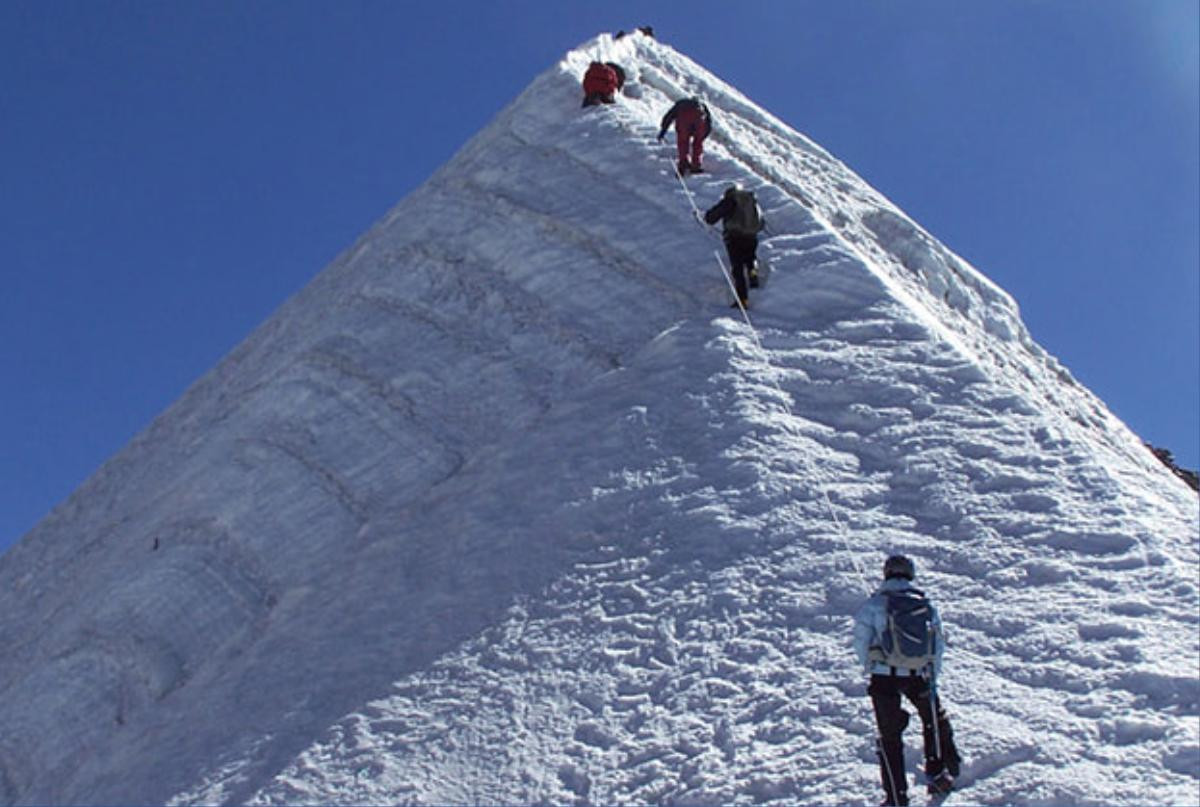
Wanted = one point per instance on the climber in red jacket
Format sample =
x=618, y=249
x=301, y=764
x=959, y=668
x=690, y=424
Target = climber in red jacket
x=600, y=84
x=692, y=124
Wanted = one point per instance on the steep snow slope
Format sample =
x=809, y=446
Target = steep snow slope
x=506, y=506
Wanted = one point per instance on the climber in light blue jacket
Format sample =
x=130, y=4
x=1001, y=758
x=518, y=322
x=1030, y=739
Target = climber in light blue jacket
x=871, y=621
x=905, y=668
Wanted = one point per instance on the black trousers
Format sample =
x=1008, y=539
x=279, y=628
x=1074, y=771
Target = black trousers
x=891, y=719
x=742, y=250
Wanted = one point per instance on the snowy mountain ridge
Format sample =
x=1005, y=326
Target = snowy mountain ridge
x=506, y=507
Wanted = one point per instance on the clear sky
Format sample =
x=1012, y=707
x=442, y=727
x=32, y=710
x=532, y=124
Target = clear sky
x=171, y=172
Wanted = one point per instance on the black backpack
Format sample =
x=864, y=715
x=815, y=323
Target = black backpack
x=746, y=218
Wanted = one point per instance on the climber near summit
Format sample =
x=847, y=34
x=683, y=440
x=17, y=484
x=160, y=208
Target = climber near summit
x=647, y=30
x=693, y=122
x=741, y=221
x=908, y=665
x=601, y=82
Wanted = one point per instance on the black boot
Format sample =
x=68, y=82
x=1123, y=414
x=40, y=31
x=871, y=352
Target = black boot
x=942, y=783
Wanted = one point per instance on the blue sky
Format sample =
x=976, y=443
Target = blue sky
x=171, y=172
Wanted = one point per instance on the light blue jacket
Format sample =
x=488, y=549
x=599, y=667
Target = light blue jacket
x=871, y=620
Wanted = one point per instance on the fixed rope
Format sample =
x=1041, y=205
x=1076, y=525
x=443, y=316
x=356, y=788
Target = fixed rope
x=841, y=529
x=725, y=271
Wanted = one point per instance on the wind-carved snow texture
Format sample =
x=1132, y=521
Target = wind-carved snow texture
x=506, y=507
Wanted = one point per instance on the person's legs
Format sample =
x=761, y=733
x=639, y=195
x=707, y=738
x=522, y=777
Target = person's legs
x=685, y=132
x=890, y=720
x=741, y=260
x=752, y=260
x=697, y=150
x=681, y=145
x=940, y=751
x=735, y=270
x=747, y=256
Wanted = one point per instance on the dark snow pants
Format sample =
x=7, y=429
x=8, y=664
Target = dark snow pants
x=742, y=250
x=890, y=717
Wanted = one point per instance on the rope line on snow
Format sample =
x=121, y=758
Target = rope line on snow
x=727, y=273
x=822, y=479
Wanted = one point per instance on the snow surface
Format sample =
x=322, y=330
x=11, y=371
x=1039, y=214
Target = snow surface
x=508, y=506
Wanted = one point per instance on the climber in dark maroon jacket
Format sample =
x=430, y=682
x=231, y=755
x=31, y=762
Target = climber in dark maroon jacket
x=692, y=124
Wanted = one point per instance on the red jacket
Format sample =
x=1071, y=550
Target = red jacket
x=600, y=78
x=689, y=115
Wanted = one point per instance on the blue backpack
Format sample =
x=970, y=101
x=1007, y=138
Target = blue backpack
x=909, y=639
